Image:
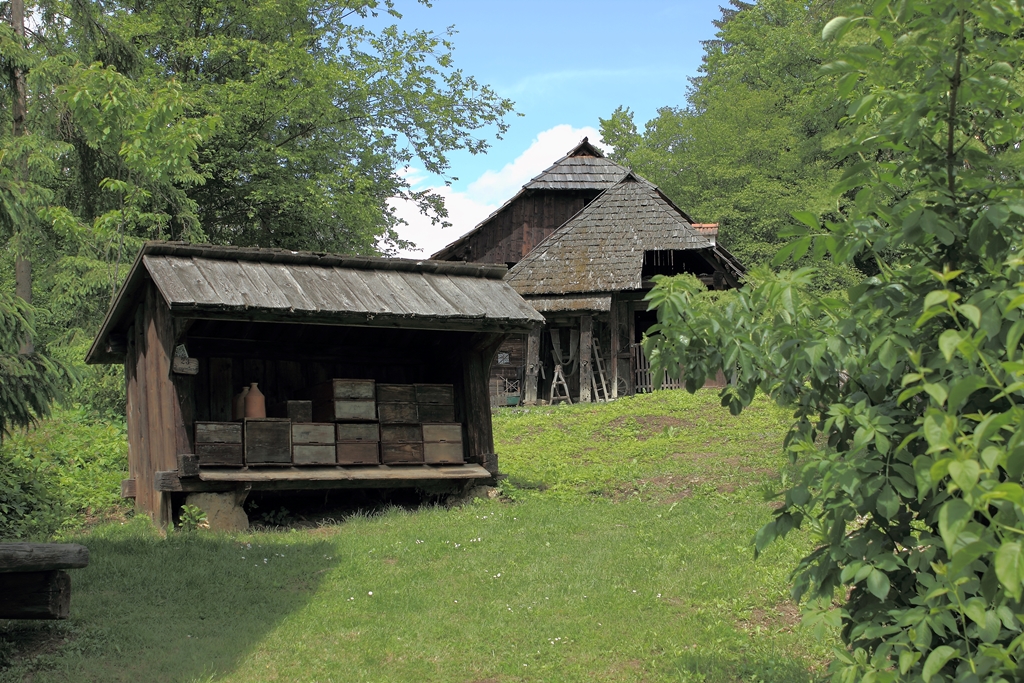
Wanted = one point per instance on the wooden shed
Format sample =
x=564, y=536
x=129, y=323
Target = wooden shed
x=589, y=278
x=193, y=324
x=582, y=241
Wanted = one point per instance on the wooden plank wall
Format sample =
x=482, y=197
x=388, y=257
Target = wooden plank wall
x=523, y=224
x=158, y=422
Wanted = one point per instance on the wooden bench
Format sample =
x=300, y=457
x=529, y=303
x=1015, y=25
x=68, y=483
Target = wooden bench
x=33, y=584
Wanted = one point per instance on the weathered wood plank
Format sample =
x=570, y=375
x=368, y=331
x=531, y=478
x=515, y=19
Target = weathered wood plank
x=476, y=365
x=35, y=595
x=36, y=557
x=128, y=488
x=532, y=371
x=379, y=473
x=585, y=356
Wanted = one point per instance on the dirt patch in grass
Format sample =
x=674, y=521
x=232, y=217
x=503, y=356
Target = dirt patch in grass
x=666, y=489
x=784, y=616
x=652, y=425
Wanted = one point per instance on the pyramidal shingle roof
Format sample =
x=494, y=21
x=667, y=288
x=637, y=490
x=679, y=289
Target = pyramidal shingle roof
x=584, y=168
x=601, y=249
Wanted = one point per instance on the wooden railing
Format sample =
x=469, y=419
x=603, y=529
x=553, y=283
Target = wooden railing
x=643, y=380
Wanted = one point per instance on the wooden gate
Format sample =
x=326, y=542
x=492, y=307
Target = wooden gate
x=643, y=381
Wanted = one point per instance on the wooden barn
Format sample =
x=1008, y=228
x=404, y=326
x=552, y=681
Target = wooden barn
x=373, y=372
x=583, y=240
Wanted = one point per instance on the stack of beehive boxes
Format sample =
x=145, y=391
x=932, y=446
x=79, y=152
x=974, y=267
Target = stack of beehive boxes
x=343, y=422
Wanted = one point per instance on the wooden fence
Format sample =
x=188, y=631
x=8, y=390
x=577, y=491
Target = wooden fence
x=643, y=380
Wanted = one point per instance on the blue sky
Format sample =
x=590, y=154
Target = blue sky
x=566, y=63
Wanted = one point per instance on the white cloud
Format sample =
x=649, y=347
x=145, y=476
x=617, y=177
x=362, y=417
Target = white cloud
x=488, y=192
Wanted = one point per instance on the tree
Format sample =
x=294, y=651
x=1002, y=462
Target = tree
x=755, y=141
x=909, y=425
x=266, y=123
x=29, y=382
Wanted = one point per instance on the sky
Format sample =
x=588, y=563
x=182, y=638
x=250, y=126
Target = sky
x=566, y=64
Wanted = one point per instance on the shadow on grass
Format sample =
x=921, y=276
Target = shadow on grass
x=762, y=667
x=195, y=605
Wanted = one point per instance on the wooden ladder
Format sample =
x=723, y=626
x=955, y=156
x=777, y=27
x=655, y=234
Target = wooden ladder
x=559, y=387
x=597, y=379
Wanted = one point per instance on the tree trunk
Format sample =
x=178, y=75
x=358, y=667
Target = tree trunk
x=23, y=265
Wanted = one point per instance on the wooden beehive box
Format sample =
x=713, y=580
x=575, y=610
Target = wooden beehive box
x=442, y=444
x=313, y=443
x=396, y=404
x=435, y=402
x=358, y=443
x=401, y=444
x=219, y=443
x=268, y=441
x=344, y=399
x=296, y=411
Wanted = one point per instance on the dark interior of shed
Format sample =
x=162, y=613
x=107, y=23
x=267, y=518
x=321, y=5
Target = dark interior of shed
x=286, y=358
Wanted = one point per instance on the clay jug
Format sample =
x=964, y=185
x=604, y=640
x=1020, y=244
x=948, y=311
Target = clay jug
x=255, y=403
x=238, y=404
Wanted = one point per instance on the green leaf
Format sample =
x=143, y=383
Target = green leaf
x=937, y=659
x=878, y=584
x=833, y=27
x=965, y=473
x=888, y=502
x=1010, y=567
x=948, y=342
x=971, y=312
x=963, y=388
x=935, y=298
x=953, y=517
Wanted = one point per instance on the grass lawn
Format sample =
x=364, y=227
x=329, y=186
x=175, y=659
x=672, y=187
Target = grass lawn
x=620, y=552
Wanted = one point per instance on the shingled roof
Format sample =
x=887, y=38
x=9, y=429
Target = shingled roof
x=232, y=283
x=601, y=249
x=584, y=168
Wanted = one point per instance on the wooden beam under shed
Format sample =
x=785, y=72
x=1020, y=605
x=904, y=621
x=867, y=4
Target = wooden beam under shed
x=532, y=367
x=585, y=356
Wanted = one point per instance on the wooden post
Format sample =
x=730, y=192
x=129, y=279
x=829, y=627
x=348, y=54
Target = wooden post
x=532, y=367
x=476, y=368
x=586, y=355
x=613, y=349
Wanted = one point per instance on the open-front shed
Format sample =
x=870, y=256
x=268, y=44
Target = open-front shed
x=347, y=351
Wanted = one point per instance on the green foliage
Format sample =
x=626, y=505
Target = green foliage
x=192, y=518
x=29, y=383
x=64, y=470
x=907, y=397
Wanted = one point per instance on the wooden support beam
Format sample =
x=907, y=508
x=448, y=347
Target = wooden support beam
x=613, y=349
x=35, y=595
x=313, y=477
x=33, y=557
x=128, y=488
x=532, y=367
x=586, y=356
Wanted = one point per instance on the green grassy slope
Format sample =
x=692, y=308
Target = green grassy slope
x=620, y=554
